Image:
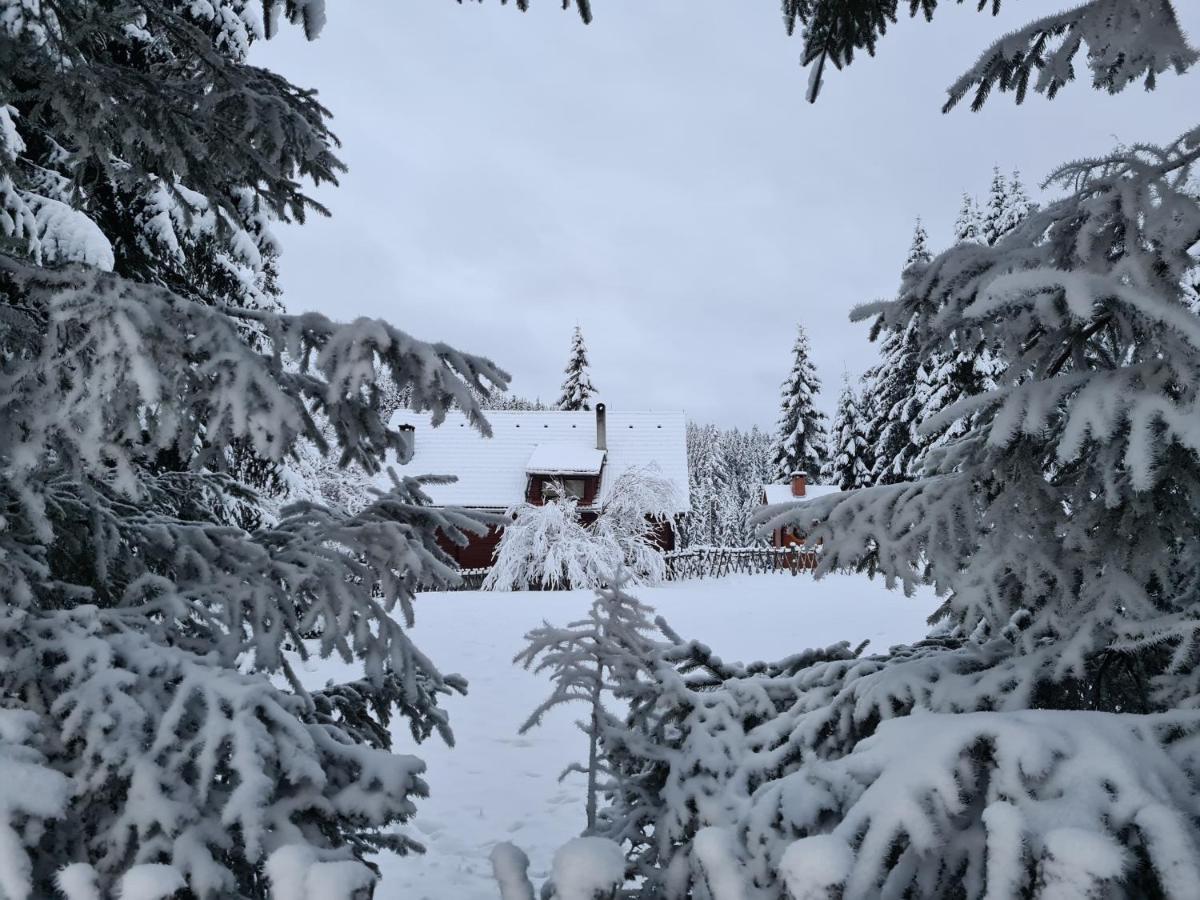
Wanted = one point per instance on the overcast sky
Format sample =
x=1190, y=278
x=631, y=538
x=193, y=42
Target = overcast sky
x=657, y=178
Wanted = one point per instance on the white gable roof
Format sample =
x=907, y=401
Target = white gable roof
x=492, y=472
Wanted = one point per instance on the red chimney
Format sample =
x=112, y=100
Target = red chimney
x=798, y=479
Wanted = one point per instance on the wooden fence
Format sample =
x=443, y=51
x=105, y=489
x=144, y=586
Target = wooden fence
x=715, y=562
x=706, y=562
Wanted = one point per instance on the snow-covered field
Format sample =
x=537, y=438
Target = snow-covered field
x=497, y=785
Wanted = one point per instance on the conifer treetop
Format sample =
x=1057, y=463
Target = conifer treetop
x=918, y=251
x=966, y=226
x=577, y=387
x=800, y=442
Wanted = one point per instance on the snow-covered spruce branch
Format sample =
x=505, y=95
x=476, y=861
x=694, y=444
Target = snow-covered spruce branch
x=1125, y=40
x=135, y=596
x=134, y=348
x=1057, y=804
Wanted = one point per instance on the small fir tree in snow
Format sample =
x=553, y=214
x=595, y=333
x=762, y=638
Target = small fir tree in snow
x=1007, y=205
x=588, y=660
x=995, y=217
x=577, y=389
x=800, y=442
x=1019, y=204
x=892, y=430
x=918, y=250
x=848, y=469
x=967, y=226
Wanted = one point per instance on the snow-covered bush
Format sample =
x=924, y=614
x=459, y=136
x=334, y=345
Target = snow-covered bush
x=550, y=546
x=157, y=738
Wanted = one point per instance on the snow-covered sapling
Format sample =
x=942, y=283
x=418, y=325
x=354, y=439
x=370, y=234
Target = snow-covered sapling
x=587, y=660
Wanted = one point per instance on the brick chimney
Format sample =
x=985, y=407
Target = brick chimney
x=601, y=427
x=798, y=482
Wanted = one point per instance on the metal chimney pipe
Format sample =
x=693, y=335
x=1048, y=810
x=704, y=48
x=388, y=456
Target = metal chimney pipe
x=601, y=427
x=408, y=435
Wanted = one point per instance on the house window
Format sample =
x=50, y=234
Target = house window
x=570, y=487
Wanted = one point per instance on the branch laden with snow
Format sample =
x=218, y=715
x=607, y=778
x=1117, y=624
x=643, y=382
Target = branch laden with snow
x=549, y=546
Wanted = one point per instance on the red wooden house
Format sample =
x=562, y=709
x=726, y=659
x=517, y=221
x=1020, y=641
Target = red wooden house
x=797, y=488
x=532, y=454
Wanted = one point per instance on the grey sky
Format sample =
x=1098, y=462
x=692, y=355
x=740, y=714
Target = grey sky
x=657, y=178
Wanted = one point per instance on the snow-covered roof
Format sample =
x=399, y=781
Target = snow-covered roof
x=782, y=493
x=492, y=472
x=565, y=459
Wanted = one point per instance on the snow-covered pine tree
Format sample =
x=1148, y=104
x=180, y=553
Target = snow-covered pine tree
x=995, y=217
x=800, y=439
x=918, y=250
x=849, y=470
x=1007, y=205
x=894, y=384
x=157, y=735
x=1061, y=528
x=1019, y=204
x=699, y=524
x=966, y=226
x=685, y=757
x=725, y=469
x=577, y=388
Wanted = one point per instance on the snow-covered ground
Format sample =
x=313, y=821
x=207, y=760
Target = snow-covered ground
x=497, y=785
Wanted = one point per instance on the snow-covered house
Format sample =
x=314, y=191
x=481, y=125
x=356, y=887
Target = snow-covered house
x=533, y=453
x=797, y=488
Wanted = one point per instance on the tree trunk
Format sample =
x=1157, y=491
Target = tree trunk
x=594, y=749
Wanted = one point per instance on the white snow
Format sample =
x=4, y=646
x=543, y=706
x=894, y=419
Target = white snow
x=150, y=881
x=713, y=849
x=813, y=867
x=498, y=786
x=586, y=868
x=509, y=866
x=565, y=459
x=78, y=882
